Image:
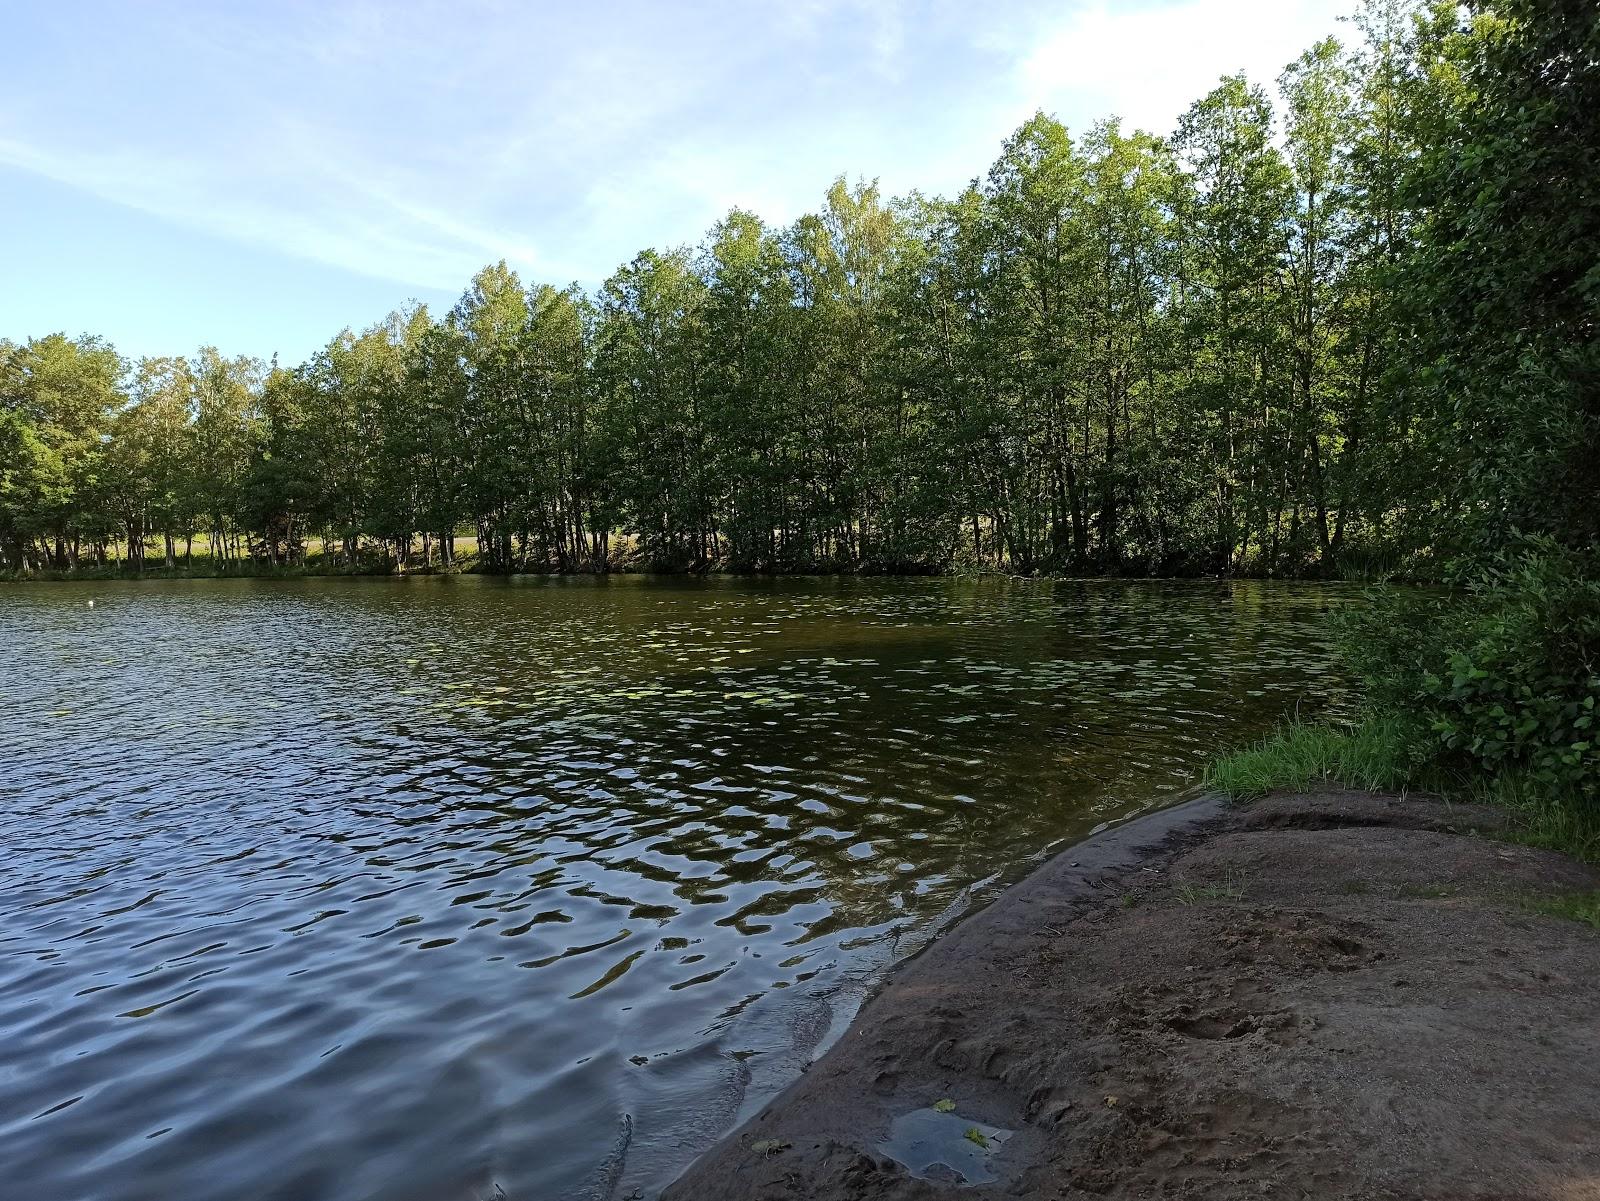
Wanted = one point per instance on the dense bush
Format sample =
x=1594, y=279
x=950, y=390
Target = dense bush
x=1502, y=674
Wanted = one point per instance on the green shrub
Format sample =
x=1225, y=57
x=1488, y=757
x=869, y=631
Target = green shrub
x=1503, y=672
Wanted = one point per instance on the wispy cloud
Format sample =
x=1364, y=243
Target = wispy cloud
x=353, y=223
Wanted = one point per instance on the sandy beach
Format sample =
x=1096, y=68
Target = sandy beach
x=1334, y=995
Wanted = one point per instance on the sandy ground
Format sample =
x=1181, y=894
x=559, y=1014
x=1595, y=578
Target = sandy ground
x=1337, y=995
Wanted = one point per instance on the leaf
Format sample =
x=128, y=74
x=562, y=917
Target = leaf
x=974, y=1135
x=944, y=1105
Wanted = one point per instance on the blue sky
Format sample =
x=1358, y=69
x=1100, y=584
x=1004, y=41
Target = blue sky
x=258, y=174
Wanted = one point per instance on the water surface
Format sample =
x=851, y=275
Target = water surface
x=388, y=889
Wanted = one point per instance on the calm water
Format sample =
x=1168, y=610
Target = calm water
x=423, y=889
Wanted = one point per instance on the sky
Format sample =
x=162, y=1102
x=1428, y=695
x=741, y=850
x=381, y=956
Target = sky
x=259, y=174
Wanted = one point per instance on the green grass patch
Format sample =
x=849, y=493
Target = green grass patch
x=1375, y=754
x=1574, y=906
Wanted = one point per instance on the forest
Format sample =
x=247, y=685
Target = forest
x=1242, y=348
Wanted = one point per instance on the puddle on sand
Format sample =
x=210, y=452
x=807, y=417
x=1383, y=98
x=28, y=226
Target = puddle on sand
x=942, y=1147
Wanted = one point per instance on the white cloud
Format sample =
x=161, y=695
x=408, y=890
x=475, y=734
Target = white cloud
x=1147, y=64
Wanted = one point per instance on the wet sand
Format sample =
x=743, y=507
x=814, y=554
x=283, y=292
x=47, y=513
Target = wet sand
x=1334, y=995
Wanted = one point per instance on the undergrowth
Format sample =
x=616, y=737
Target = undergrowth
x=1384, y=754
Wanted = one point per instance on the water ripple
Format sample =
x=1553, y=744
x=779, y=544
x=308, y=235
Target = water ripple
x=392, y=889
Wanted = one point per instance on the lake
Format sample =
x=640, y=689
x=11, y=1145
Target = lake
x=444, y=888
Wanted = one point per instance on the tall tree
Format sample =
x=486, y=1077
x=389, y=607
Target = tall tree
x=650, y=363
x=227, y=431
x=1235, y=226
x=1320, y=129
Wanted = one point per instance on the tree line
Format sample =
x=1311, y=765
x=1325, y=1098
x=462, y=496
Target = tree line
x=1115, y=353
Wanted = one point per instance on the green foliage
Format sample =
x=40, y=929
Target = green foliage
x=1116, y=352
x=1505, y=675
x=1491, y=687
x=1500, y=287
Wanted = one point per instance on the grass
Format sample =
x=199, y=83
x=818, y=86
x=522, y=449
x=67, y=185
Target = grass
x=1381, y=754
x=1543, y=817
x=1192, y=894
x=1574, y=906
x=1372, y=755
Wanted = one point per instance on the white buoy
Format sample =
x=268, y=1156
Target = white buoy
x=91, y=604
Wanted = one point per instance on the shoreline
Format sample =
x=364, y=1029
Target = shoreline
x=99, y=575
x=1329, y=994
